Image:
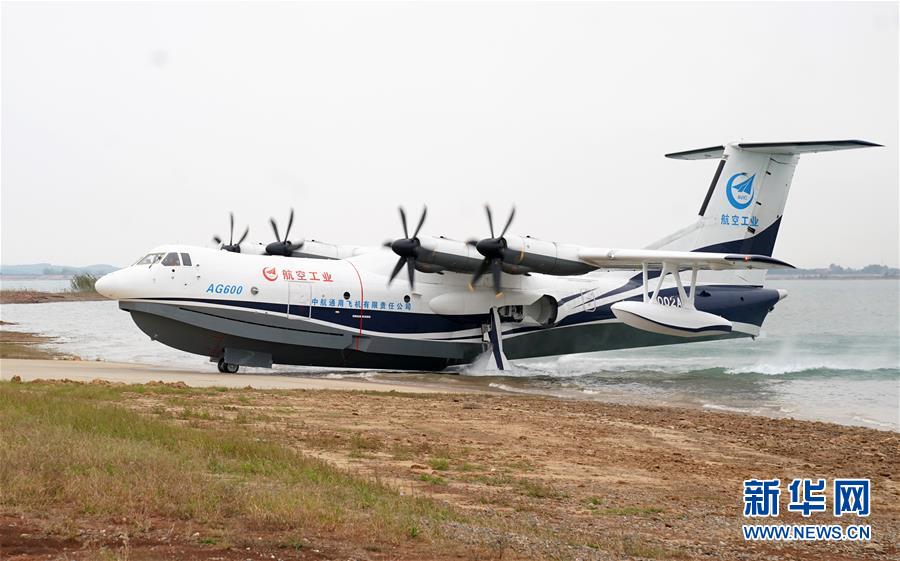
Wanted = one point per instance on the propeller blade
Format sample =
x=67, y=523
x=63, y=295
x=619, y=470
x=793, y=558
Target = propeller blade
x=403, y=220
x=388, y=243
x=231, y=229
x=473, y=243
x=421, y=221
x=411, y=270
x=290, y=223
x=490, y=219
x=396, y=270
x=497, y=271
x=275, y=229
x=482, y=269
x=217, y=239
x=512, y=214
x=244, y=236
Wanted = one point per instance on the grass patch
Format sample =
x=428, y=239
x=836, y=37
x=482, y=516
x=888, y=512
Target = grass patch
x=200, y=414
x=439, y=464
x=536, y=489
x=70, y=448
x=408, y=451
x=494, y=480
x=360, y=442
x=432, y=479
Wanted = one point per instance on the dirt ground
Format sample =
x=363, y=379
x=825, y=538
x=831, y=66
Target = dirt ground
x=556, y=479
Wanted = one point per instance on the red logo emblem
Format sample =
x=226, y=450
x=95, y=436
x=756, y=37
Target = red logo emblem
x=270, y=273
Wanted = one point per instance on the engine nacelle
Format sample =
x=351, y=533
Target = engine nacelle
x=670, y=320
x=446, y=254
x=548, y=258
x=522, y=255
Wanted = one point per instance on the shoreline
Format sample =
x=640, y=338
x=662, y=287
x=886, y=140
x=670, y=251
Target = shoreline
x=70, y=368
x=86, y=371
x=18, y=296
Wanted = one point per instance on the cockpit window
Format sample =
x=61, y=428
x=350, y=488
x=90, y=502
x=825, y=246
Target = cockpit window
x=186, y=259
x=171, y=260
x=149, y=259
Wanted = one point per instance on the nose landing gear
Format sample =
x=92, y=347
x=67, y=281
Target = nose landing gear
x=227, y=367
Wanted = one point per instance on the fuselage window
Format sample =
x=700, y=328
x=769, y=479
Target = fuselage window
x=149, y=259
x=186, y=259
x=171, y=260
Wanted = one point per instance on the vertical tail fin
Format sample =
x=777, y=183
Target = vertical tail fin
x=743, y=207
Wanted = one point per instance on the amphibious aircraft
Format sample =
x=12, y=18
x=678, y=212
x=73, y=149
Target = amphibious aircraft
x=505, y=297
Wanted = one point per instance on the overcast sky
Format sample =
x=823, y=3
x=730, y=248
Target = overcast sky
x=129, y=125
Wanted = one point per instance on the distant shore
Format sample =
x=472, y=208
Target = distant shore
x=38, y=297
x=792, y=276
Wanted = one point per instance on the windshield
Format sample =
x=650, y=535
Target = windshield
x=149, y=259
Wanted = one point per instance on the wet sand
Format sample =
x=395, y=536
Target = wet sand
x=87, y=371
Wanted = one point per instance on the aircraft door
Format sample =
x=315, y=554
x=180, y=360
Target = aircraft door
x=299, y=294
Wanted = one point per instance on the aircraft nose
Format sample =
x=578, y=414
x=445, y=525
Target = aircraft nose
x=105, y=285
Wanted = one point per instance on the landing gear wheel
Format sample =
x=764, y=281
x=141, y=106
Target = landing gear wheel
x=227, y=367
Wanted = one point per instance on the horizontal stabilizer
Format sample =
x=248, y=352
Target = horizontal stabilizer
x=785, y=148
x=711, y=153
x=808, y=147
x=655, y=259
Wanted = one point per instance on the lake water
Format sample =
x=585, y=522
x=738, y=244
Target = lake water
x=830, y=351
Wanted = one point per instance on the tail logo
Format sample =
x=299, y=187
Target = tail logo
x=740, y=190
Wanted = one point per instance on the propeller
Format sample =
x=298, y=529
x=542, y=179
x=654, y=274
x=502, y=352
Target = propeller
x=493, y=249
x=231, y=246
x=407, y=248
x=282, y=246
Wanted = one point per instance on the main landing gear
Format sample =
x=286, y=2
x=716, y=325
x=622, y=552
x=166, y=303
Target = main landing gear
x=227, y=367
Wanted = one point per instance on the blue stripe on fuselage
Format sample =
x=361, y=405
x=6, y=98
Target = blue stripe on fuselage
x=743, y=304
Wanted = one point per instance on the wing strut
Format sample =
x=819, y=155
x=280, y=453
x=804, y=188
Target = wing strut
x=687, y=296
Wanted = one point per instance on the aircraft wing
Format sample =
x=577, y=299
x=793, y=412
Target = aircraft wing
x=606, y=258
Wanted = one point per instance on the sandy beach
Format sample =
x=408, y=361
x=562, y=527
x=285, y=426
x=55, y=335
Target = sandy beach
x=534, y=477
x=86, y=371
